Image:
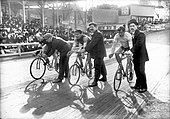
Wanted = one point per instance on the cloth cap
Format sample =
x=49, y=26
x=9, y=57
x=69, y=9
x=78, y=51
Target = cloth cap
x=47, y=36
x=133, y=21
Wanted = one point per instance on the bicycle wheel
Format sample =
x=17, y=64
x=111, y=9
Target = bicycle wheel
x=37, y=68
x=57, y=67
x=129, y=72
x=74, y=73
x=90, y=71
x=125, y=98
x=117, y=79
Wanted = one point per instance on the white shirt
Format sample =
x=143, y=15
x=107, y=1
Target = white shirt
x=125, y=41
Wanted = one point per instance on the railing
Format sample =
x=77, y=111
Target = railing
x=18, y=49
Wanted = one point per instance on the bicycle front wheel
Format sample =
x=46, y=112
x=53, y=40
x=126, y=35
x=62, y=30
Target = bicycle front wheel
x=74, y=73
x=117, y=79
x=37, y=68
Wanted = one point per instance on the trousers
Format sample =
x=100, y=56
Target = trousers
x=139, y=68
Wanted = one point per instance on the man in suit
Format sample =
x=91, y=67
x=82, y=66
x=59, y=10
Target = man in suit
x=57, y=43
x=140, y=56
x=97, y=51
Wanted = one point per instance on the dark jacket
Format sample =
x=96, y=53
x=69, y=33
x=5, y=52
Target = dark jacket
x=139, y=50
x=58, y=44
x=96, y=46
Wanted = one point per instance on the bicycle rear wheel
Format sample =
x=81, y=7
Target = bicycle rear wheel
x=117, y=79
x=90, y=71
x=129, y=72
x=74, y=73
x=37, y=68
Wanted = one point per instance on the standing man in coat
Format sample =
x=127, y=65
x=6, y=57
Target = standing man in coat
x=97, y=51
x=140, y=56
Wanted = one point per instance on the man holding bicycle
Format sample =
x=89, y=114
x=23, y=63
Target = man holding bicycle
x=125, y=40
x=140, y=56
x=57, y=43
x=97, y=51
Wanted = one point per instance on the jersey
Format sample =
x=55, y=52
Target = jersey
x=125, y=41
x=81, y=43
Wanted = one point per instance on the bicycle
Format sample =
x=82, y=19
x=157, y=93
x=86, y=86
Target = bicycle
x=121, y=73
x=39, y=64
x=76, y=69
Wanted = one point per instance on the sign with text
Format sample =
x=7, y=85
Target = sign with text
x=124, y=11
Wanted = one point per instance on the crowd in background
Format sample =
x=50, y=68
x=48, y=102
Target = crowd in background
x=13, y=30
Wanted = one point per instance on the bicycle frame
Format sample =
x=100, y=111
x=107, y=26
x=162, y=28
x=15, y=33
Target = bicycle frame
x=129, y=59
x=48, y=63
x=78, y=62
x=121, y=72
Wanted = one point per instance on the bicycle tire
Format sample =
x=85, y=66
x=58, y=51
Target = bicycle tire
x=129, y=72
x=74, y=73
x=57, y=68
x=88, y=74
x=117, y=82
x=39, y=63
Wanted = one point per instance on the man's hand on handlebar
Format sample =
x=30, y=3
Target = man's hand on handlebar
x=110, y=55
x=128, y=52
x=81, y=50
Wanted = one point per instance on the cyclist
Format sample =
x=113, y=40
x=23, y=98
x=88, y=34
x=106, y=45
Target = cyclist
x=125, y=40
x=80, y=42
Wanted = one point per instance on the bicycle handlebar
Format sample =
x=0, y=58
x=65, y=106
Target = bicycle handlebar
x=126, y=53
x=73, y=51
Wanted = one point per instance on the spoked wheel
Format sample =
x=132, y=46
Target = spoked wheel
x=117, y=79
x=129, y=72
x=37, y=68
x=126, y=98
x=90, y=71
x=74, y=73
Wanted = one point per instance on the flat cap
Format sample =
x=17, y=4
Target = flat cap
x=47, y=36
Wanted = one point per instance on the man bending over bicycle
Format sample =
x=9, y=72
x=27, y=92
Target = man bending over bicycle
x=80, y=43
x=125, y=40
x=42, y=45
x=57, y=43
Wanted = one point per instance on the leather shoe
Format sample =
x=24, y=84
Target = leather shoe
x=57, y=81
x=93, y=84
x=103, y=79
